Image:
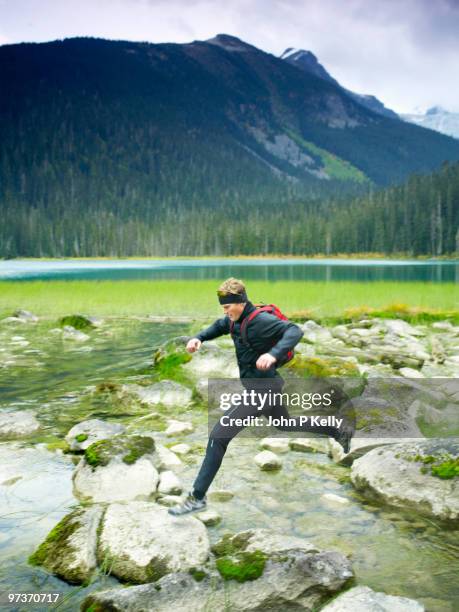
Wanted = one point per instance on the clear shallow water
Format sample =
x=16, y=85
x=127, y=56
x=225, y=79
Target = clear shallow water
x=396, y=553
x=263, y=269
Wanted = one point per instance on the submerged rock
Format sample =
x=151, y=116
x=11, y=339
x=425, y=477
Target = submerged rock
x=25, y=315
x=309, y=445
x=166, y=392
x=69, y=550
x=143, y=542
x=76, y=321
x=71, y=333
x=212, y=361
x=17, y=424
x=421, y=474
x=123, y=468
x=276, y=445
x=364, y=599
x=87, y=432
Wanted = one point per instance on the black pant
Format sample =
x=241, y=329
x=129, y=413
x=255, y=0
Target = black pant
x=221, y=436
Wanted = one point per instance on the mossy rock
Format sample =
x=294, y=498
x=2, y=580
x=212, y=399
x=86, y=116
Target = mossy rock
x=107, y=386
x=322, y=368
x=76, y=321
x=243, y=566
x=443, y=466
x=197, y=573
x=231, y=544
x=130, y=448
x=62, y=556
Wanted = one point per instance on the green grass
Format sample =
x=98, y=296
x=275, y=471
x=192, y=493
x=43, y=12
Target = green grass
x=334, y=166
x=198, y=297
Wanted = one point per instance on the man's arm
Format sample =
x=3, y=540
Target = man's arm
x=218, y=328
x=273, y=327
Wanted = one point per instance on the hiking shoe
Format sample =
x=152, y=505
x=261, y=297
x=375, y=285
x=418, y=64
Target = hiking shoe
x=191, y=504
x=344, y=438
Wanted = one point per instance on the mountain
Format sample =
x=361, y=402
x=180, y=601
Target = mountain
x=101, y=141
x=438, y=119
x=307, y=61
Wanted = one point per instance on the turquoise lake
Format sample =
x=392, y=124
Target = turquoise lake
x=274, y=269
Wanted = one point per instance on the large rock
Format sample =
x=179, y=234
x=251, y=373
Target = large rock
x=364, y=599
x=69, y=550
x=87, y=432
x=422, y=474
x=257, y=570
x=17, y=424
x=123, y=468
x=166, y=392
x=142, y=542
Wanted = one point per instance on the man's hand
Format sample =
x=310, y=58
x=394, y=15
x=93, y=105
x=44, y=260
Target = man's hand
x=264, y=362
x=193, y=345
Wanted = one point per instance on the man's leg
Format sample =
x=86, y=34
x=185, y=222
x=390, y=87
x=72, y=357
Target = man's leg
x=277, y=410
x=220, y=437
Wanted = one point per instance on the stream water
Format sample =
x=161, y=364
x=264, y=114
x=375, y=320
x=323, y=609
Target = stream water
x=401, y=554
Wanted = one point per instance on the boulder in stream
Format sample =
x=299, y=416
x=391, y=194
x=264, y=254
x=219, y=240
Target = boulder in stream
x=122, y=468
x=17, y=424
x=87, y=432
x=252, y=570
x=421, y=474
x=69, y=550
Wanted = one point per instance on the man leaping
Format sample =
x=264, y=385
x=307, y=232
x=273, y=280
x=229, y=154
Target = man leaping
x=267, y=342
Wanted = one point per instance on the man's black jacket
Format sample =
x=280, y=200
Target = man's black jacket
x=265, y=334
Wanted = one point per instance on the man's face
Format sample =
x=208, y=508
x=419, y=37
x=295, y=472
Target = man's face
x=233, y=311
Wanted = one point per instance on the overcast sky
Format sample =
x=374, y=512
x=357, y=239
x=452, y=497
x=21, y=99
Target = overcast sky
x=406, y=52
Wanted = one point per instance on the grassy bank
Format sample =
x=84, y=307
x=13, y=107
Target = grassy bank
x=198, y=298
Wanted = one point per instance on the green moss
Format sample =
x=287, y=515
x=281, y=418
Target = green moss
x=107, y=387
x=81, y=437
x=54, y=547
x=243, y=566
x=93, y=607
x=447, y=469
x=443, y=466
x=142, y=446
x=157, y=569
x=130, y=448
x=58, y=445
x=76, y=321
x=231, y=544
x=198, y=574
x=321, y=367
x=167, y=366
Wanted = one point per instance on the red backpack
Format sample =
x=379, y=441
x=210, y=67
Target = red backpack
x=272, y=309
